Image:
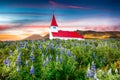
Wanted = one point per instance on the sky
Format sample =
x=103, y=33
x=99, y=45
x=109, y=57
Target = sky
x=22, y=18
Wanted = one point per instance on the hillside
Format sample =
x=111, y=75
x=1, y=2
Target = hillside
x=34, y=37
x=100, y=35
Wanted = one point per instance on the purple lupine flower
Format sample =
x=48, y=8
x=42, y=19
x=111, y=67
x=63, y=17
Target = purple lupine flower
x=19, y=61
x=32, y=58
x=57, y=58
x=44, y=40
x=21, y=45
x=75, y=58
x=93, y=67
x=89, y=73
x=18, y=69
x=32, y=48
x=26, y=44
x=40, y=46
x=50, y=57
x=32, y=71
x=69, y=53
x=61, y=59
x=11, y=53
x=26, y=62
x=7, y=62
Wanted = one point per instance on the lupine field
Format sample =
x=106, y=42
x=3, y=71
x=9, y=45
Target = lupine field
x=60, y=60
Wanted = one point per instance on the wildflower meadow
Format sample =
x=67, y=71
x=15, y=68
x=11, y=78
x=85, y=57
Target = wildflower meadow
x=60, y=60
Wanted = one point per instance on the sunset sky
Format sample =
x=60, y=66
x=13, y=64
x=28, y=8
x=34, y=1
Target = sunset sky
x=22, y=18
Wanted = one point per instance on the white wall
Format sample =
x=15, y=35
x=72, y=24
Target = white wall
x=67, y=38
x=54, y=28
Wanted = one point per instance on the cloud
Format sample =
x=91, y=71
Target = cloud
x=66, y=6
x=24, y=13
x=3, y=27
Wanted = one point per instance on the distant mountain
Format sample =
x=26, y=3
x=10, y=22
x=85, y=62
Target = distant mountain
x=34, y=37
x=46, y=36
x=100, y=35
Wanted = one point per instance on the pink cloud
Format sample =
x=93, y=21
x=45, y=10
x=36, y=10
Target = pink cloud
x=66, y=6
x=3, y=27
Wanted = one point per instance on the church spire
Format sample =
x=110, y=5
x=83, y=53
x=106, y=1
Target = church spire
x=53, y=23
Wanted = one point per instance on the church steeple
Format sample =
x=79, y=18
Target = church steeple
x=54, y=26
x=53, y=23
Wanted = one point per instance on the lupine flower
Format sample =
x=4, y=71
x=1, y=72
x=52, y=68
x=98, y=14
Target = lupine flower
x=21, y=45
x=32, y=57
x=57, y=59
x=32, y=48
x=11, y=52
x=93, y=67
x=47, y=60
x=32, y=70
x=26, y=44
x=19, y=61
x=69, y=53
x=26, y=62
x=50, y=57
x=18, y=69
x=44, y=40
x=40, y=46
x=89, y=73
x=7, y=62
x=61, y=59
x=74, y=57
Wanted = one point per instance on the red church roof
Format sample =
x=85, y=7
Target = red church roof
x=67, y=34
x=53, y=23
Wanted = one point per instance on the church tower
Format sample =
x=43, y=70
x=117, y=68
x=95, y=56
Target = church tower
x=54, y=26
